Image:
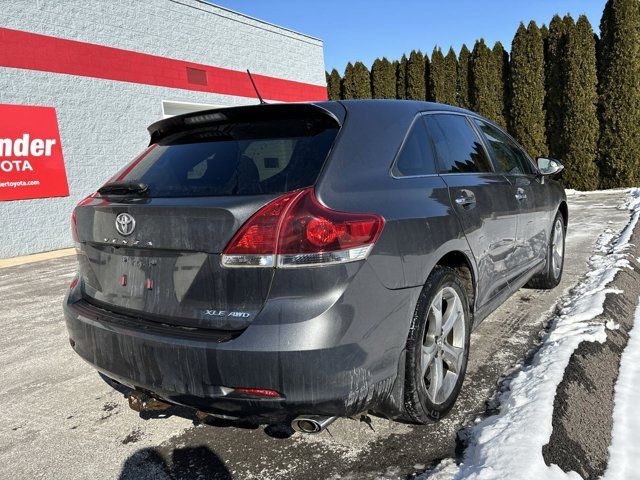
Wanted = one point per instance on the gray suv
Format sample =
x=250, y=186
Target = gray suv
x=299, y=262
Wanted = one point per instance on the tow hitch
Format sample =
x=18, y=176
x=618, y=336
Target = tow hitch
x=141, y=402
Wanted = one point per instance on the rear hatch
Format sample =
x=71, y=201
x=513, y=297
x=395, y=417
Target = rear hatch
x=152, y=237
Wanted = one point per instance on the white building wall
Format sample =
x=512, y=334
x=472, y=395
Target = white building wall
x=102, y=122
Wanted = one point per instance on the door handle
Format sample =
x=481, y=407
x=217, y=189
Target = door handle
x=466, y=199
x=520, y=195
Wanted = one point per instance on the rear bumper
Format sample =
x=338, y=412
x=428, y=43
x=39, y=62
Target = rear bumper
x=197, y=369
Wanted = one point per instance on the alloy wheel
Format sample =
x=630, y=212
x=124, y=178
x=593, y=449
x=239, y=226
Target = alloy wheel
x=557, y=248
x=443, y=348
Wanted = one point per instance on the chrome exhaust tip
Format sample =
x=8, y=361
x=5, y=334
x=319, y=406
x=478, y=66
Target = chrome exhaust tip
x=311, y=423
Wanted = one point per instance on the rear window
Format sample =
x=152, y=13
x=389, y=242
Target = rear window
x=265, y=157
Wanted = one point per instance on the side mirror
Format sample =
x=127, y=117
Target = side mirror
x=549, y=166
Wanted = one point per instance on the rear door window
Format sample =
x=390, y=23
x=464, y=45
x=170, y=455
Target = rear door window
x=458, y=147
x=271, y=157
x=508, y=157
x=416, y=155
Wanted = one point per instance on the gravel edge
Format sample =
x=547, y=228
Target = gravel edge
x=583, y=406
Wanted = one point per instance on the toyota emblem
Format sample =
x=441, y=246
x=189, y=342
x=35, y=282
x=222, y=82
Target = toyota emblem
x=125, y=224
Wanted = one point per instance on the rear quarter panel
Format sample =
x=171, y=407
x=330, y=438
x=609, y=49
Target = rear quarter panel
x=420, y=225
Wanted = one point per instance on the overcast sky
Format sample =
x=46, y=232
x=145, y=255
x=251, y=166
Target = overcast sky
x=365, y=29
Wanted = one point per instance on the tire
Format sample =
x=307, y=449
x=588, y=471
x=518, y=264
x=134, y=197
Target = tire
x=423, y=400
x=552, y=274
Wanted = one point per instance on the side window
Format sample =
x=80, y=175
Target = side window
x=457, y=145
x=509, y=157
x=416, y=155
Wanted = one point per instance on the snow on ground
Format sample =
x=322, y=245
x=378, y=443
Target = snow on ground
x=571, y=191
x=509, y=444
x=624, y=452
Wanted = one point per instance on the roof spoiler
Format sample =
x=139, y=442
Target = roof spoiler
x=251, y=113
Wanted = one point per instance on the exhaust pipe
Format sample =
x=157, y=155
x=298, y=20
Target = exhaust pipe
x=311, y=423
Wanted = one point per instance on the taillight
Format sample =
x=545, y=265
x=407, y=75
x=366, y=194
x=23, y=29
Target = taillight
x=296, y=230
x=74, y=216
x=74, y=226
x=254, y=245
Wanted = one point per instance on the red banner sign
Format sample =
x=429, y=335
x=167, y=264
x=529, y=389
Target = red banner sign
x=31, y=162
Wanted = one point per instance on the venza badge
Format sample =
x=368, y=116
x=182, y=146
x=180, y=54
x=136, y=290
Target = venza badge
x=125, y=224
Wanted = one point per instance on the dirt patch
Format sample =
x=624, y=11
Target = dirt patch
x=133, y=437
x=109, y=406
x=583, y=407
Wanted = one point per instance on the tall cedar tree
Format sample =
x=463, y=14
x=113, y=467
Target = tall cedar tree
x=436, y=77
x=327, y=79
x=333, y=85
x=356, y=82
x=383, y=79
x=391, y=78
x=394, y=69
x=544, y=31
x=580, y=124
x=462, y=78
x=555, y=72
x=484, y=91
x=619, y=146
x=401, y=78
x=501, y=57
x=415, y=76
x=527, y=115
x=450, y=74
x=346, y=85
x=428, y=95
x=363, y=80
x=377, y=78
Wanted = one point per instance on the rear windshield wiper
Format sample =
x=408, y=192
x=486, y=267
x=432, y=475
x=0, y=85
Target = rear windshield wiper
x=124, y=188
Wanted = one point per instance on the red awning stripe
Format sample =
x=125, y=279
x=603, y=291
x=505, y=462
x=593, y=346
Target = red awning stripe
x=30, y=51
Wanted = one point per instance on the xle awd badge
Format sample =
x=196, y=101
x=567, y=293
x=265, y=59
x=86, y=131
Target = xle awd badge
x=224, y=313
x=125, y=224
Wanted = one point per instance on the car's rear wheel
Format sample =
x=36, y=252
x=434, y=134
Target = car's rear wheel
x=552, y=274
x=437, y=347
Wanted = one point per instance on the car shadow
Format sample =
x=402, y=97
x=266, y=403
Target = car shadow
x=190, y=463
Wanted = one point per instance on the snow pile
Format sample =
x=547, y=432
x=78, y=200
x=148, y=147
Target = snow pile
x=624, y=452
x=571, y=191
x=509, y=444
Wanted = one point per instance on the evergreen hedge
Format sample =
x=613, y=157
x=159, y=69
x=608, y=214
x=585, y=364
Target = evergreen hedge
x=450, y=77
x=437, y=81
x=401, y=78
x=416, y=89
x=555, y=50
x=383, y=79
x=579, y=129
x=485, y=92
x=562, y=91
x=619, y=156
x=501, y=59
x=462, y=82
x=334, y=83
x=356, y=82
x=526, y=113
